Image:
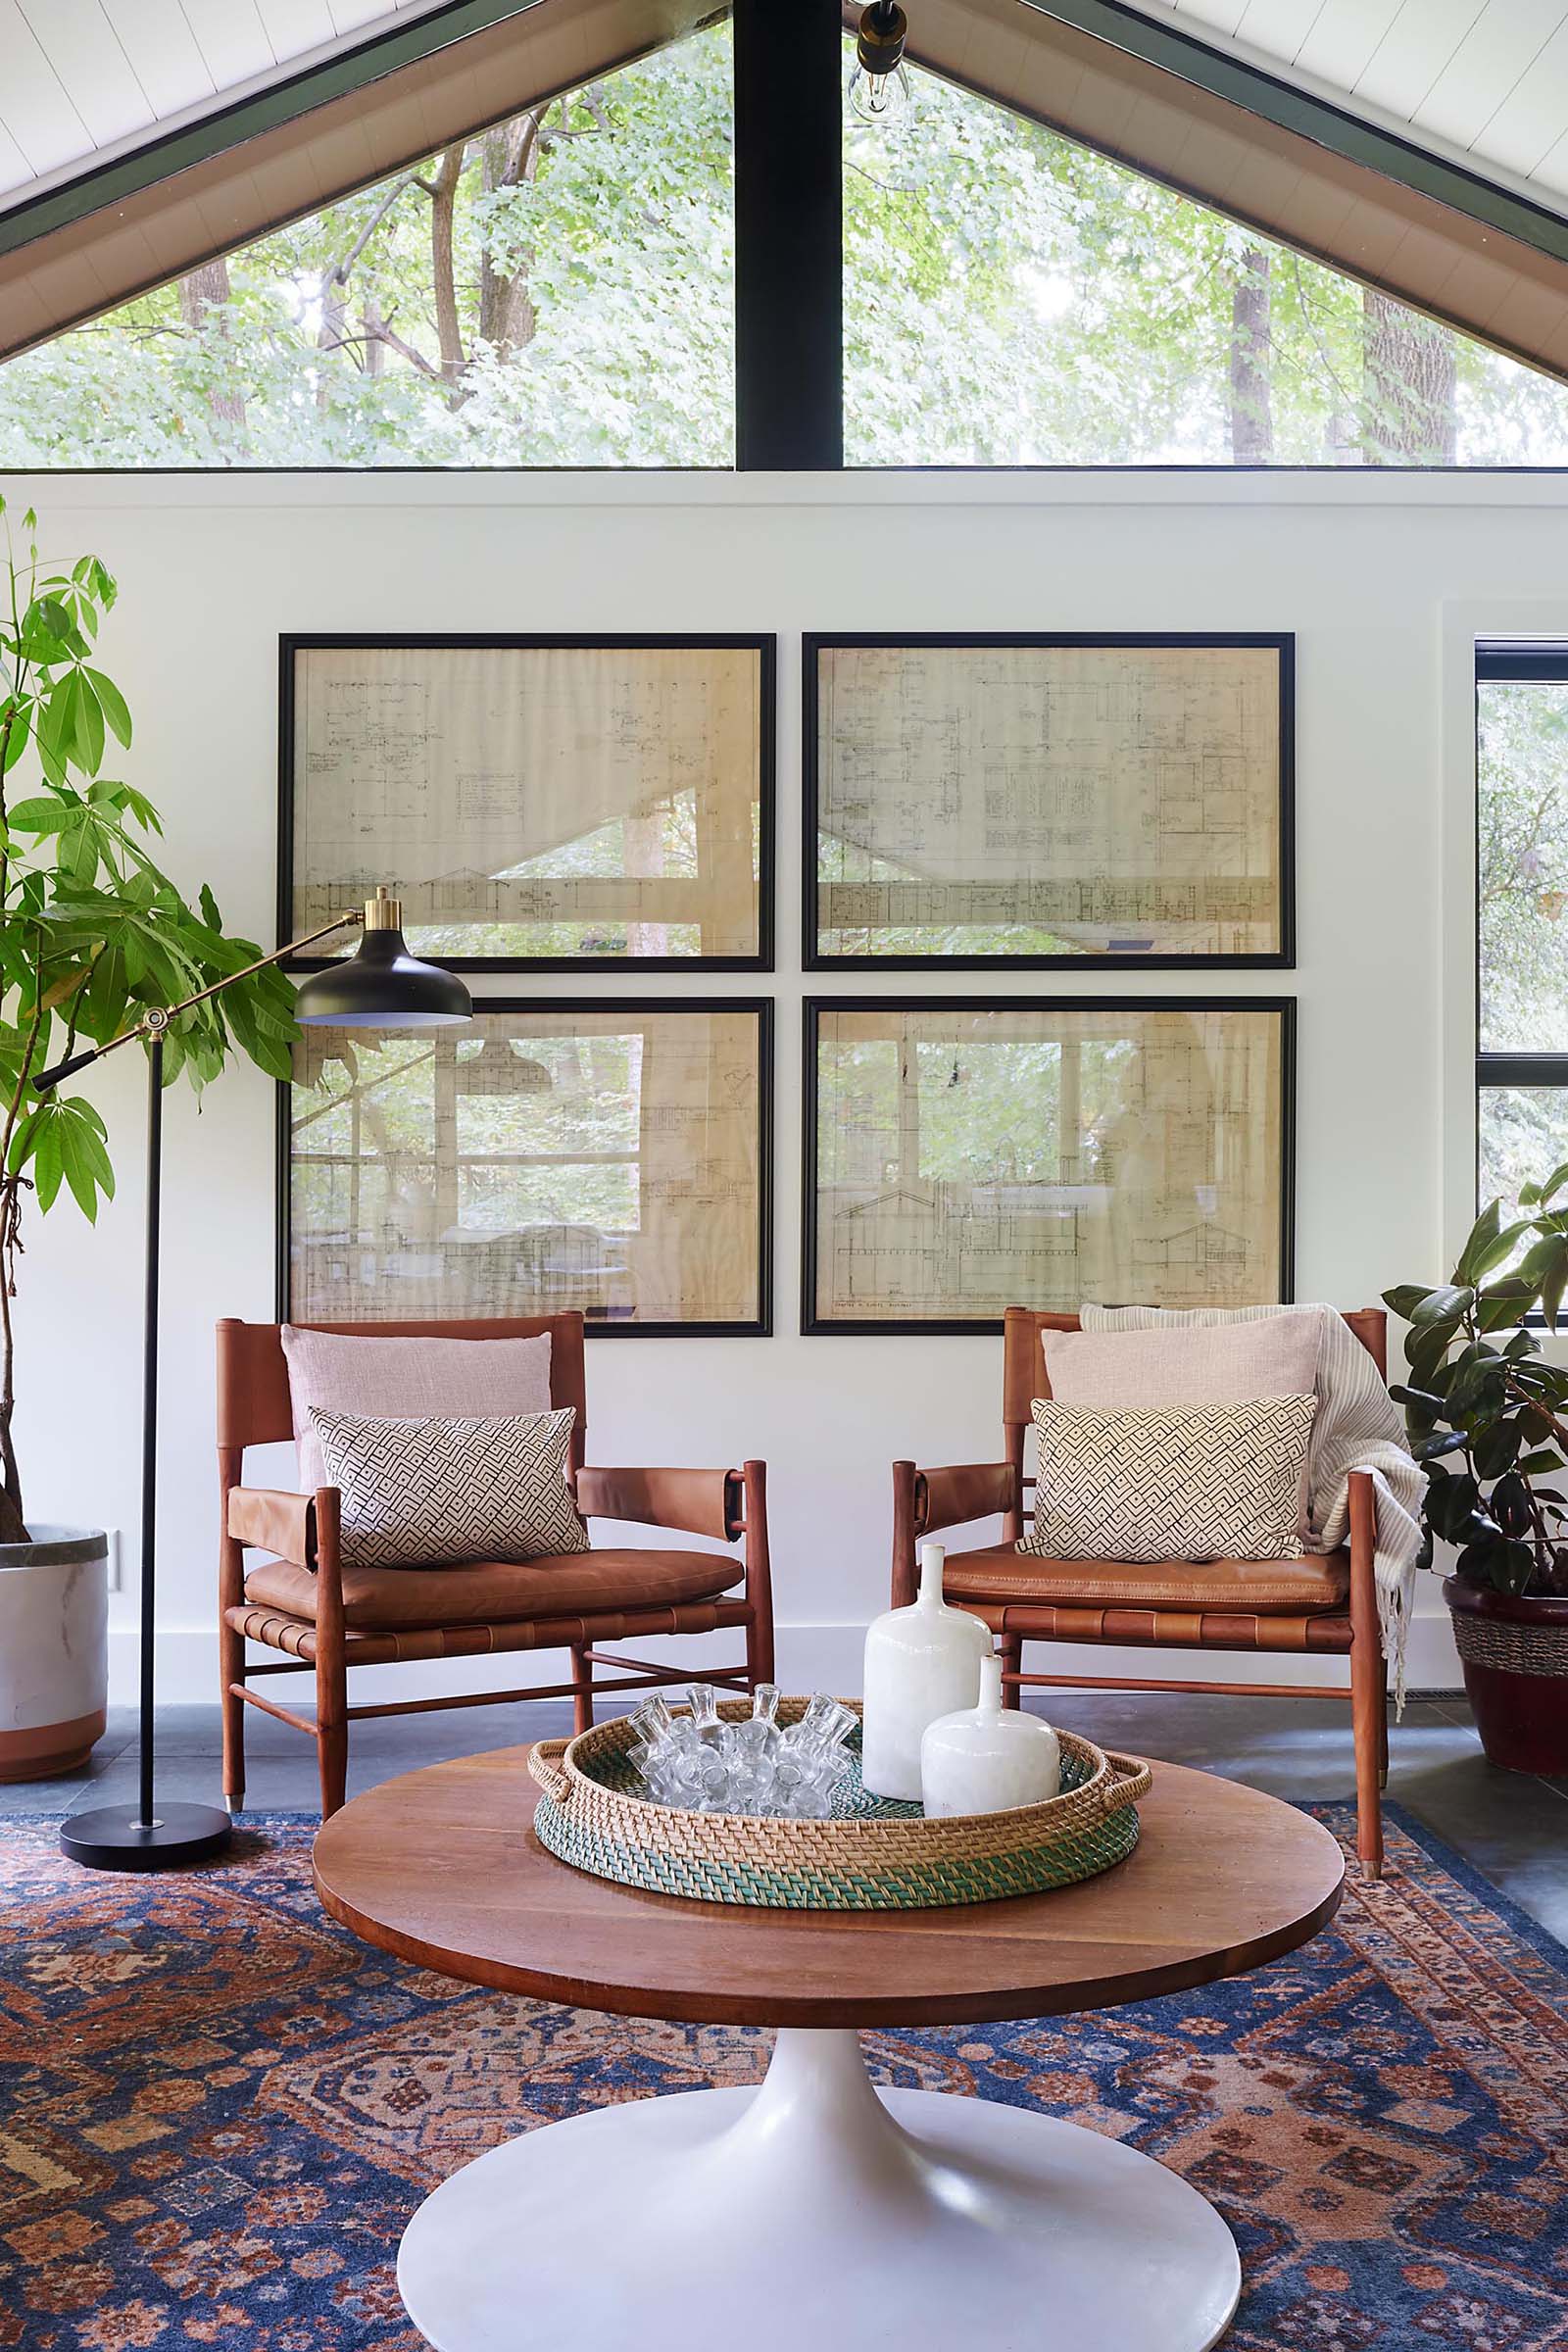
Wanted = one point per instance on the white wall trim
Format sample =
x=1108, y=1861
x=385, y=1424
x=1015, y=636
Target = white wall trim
x=1118, y=487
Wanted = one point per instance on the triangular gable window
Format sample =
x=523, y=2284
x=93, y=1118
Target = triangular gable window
x=1011, y=298
x=558, y=291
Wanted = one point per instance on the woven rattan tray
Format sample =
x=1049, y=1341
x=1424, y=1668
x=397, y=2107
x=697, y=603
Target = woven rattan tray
x=873, y=1855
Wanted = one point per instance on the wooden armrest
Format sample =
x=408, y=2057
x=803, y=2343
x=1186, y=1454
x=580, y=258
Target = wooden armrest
x=700, y=1502
x=964, y=1490
x=275, y=1521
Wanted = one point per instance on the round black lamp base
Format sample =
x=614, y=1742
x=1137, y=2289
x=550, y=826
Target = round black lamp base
x=111, y=1837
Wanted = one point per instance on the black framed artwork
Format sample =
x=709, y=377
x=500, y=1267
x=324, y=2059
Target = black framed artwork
x=606, y=1155
x=1045, y=802
x=963, y=1156
x=547, y=802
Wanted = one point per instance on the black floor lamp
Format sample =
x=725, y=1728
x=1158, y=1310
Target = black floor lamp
x=380, y=986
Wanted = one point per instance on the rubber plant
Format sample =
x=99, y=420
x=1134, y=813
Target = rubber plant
x=1488, y=1415
x=91, y=929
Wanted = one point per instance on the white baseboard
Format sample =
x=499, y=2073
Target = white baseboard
x=810, y=1658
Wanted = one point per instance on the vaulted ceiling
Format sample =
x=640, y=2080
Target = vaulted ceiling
x=1488, y=78
x=142, y=137
x=79, y=79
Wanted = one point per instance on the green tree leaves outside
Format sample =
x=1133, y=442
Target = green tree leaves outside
x=559, y=292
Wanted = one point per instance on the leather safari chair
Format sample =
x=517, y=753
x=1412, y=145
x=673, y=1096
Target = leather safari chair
x=1323, y=1604
x=325, y=1618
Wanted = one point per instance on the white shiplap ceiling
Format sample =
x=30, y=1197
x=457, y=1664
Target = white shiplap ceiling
x=1483, y=79
x=82, y=78
x=1486, y=79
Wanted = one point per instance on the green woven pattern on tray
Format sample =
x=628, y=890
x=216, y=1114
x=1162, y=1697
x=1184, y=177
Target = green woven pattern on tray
x=1032, y=1870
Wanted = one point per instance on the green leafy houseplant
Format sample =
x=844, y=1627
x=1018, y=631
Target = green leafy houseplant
x=92, y=932
x=1489, y=1422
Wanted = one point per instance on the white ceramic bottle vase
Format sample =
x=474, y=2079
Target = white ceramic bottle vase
x=988, y=1758
x=920, y=1663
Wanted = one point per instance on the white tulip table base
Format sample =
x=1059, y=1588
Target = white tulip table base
x=815, y=2210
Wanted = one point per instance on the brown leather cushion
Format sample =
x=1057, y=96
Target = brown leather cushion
x=1320, y=1581
x=569, y=1584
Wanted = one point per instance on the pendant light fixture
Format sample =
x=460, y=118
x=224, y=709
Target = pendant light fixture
x=880, y=91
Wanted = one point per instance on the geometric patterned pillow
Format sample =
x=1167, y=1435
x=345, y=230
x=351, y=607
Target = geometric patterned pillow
x=1216, y=1481
x=415, y=1493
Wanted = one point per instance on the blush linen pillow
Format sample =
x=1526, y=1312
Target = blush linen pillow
x=1173, y=1365
x=403, y=1378
x=1219, y=1482
x=419, y=1494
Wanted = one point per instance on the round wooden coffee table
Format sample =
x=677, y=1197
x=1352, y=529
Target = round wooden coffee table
x=903, y=2219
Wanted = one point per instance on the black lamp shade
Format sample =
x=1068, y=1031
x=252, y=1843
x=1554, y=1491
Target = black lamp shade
x=381, y=986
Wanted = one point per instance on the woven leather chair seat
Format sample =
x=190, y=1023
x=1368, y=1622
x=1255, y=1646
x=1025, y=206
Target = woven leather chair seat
x=573, y=1583
x=1317, y=1580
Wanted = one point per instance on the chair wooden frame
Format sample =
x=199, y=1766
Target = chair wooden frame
x=254, y=1409
x=927, y=1500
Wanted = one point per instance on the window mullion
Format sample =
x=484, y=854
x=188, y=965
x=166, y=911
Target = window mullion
x=788, y=236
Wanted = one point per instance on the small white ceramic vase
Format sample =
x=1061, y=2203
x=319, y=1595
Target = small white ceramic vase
x=920, y=1663
x=988, y=1758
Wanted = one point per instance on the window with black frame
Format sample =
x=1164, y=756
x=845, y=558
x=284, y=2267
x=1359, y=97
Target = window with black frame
x=1522, y=915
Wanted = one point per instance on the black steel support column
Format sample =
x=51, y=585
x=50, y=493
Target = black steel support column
x=789, y=268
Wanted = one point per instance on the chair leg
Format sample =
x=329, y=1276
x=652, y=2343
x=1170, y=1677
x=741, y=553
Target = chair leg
x=332, y=1754
x=1383, y=1734
x=582, y=1696
x=1368, y=1683
x=332, y=1730
x=231, y=1669
x=1010, y=1648
x=758, y=1653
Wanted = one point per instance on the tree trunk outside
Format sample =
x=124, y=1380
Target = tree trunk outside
x=201, y=292
x=1410, y=380
x=443, y=210
x=507, y=317
x=1250, y=395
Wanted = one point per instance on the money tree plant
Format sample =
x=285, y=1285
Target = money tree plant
x=92, y=931
x=1487, y=1417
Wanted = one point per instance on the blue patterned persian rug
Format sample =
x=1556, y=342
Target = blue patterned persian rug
x=221, y=2109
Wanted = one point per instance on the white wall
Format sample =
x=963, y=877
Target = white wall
x=1386, y=582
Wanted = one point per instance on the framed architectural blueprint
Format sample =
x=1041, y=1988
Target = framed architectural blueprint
x=606, y=1155
x=965, y=1155
x=549, y=802
x=1047, y=801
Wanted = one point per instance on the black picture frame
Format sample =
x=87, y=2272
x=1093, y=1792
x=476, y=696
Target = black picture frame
x=764, y=643
x=761, y=1007
x=814, y=1325
x=814, y=645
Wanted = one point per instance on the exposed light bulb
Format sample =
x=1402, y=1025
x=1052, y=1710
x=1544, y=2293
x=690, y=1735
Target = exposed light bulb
x=880, y=92
x=881, y=100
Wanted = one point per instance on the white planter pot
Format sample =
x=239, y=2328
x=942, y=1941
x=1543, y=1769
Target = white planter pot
x=54, y=1650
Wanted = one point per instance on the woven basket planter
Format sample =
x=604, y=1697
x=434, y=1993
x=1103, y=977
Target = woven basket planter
x=873, y=1855
x=1514, y=1651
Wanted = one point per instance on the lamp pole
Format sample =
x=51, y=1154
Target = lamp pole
x=174, y=1835
x=379, y=986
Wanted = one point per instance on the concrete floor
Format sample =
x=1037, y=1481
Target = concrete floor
x=1510, y=1827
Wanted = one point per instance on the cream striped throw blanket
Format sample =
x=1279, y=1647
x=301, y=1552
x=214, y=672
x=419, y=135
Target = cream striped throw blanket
x=1358, y=1427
